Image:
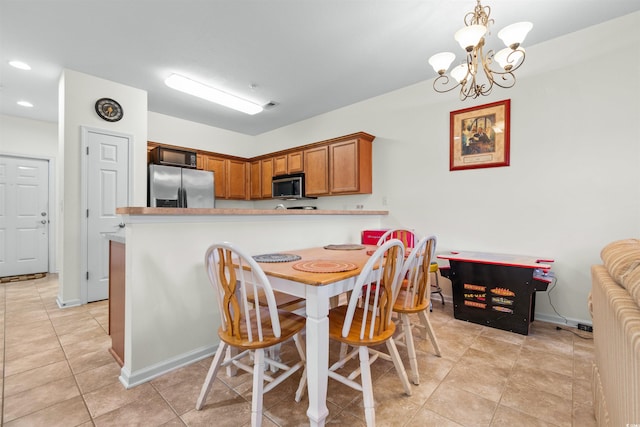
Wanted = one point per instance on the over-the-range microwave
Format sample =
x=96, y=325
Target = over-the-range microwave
x=288, y=187
x=173, y=157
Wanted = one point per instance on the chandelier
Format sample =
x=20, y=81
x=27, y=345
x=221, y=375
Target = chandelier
x=476, y=76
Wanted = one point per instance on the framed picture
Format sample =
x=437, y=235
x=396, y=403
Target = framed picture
x=479, y=136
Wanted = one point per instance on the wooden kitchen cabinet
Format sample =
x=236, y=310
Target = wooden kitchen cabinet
x=288, y=163
x=255, y=179
x=261, y=174
x=218, y=166
x=267, y=176
x=237, y=179
x=116, y=299
x=280, y=165
x=316, y=171
x=295, y=162
x=350, y=169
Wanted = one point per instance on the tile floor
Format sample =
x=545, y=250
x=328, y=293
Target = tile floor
x=56, y=371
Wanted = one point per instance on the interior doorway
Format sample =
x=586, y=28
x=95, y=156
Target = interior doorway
x=105, y=188
x=24, y=216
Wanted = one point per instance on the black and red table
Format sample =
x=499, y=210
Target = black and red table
x=496, y=290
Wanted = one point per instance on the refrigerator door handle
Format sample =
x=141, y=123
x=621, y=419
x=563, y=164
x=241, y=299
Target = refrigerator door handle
x=180, y=197
x=184, y=197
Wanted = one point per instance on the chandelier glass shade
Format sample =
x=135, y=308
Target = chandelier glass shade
x=480, y=72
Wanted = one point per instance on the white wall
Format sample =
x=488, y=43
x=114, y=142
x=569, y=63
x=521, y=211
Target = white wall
x=77, y=96
x=183, y=133
x=24, y=137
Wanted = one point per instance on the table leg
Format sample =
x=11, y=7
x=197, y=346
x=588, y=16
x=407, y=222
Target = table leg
x=317, y=354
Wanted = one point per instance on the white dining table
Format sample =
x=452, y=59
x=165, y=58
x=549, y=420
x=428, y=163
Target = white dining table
x=318, y=290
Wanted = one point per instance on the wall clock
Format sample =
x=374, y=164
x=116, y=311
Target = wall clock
x=109, y=110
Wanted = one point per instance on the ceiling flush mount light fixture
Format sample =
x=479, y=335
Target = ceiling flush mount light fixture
x=20, y=65
x=476, y=76
x=26, y=104
x=211, y=94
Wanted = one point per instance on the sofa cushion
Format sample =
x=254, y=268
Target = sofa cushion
x=621, y=258
x=631, y=281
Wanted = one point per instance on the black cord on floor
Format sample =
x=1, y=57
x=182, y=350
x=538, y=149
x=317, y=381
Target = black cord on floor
x=560, y=328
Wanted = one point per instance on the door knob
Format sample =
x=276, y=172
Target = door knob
x=43, y=213
x=44, y=221
x=121, y=225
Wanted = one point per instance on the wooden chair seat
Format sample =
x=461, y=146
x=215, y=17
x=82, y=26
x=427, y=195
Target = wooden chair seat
x=290, y=324
x=336, y=322
x=414, y=305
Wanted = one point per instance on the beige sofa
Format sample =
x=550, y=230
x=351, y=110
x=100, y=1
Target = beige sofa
x=614, y=303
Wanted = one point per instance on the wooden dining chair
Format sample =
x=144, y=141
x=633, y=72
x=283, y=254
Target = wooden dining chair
x=365, y=322
x=248, y=326
x=414, y=297
x=407, y=237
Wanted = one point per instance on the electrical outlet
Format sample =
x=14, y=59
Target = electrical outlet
x=586, y=328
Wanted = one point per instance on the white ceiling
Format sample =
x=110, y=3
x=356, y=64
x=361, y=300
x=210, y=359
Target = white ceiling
x=308, y=56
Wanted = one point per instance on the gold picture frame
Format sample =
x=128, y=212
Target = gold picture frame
x=480, y=136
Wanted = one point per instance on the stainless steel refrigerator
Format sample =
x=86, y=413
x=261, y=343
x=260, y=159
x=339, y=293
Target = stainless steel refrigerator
x=174, y=187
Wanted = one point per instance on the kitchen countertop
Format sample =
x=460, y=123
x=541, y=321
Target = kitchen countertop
x=234, y=211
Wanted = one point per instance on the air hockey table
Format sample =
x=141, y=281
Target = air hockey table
x=496, y=290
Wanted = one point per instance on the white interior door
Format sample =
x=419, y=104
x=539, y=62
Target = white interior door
x=24, y=216
x=107, y=183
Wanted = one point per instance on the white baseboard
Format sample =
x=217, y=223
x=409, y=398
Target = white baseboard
x=132, y=379
x=67, y=304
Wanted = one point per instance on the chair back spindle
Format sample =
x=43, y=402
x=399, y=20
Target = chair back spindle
x=377, y=284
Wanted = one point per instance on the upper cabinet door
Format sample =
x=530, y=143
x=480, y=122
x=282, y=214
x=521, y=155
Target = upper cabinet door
x=267, y=177
x=295, y=162
x=280, y=165
x=316, y=171
x=219, y=167
x=350, y=167
x=237, y=179
x=255, y=180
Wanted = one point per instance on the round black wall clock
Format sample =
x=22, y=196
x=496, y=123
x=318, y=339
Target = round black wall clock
x=108, y=109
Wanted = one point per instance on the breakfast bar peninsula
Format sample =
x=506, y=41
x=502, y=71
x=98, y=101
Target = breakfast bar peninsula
x=170, y=311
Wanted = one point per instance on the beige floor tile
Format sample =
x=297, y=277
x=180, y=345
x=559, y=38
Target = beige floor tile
x=149, y=410
x=509, y=417
x=546, y=406
x=32, y=361
x=427, y=418
x=461, y=406
x=22, y=349
x=23, y=381
x=543, y=380
x=486, y=381
x=78, y=348
x=70, y=412
x=114, y=396
x=94, y=379
x=38, y=398
x=550, y=361
x=90, y=360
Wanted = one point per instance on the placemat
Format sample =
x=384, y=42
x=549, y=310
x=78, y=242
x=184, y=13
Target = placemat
x=345, y=247
x=324, y=266
x=276, y=257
